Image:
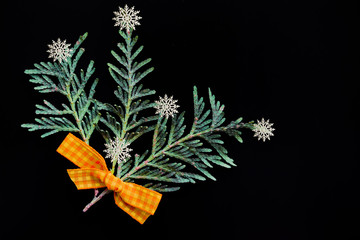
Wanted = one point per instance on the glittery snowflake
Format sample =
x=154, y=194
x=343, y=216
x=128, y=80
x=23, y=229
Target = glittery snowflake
x=263, y=130
x=166, y=106
x=117, y=150
x=126, y=18
x=59, y=50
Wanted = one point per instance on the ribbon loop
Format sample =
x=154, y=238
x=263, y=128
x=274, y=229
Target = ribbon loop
x=139, y=202
x=81, y=154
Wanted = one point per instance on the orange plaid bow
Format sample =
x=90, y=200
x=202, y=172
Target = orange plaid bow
x=139, y=202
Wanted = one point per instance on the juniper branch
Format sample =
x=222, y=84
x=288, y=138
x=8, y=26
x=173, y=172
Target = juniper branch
x=73, y=88
x=128, y=93
x=188, y=149
x=127, y=78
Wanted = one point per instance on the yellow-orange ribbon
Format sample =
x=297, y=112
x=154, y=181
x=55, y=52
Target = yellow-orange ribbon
x=139, y=202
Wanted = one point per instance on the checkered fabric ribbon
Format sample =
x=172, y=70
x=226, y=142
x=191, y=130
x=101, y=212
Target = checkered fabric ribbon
x=139, y=202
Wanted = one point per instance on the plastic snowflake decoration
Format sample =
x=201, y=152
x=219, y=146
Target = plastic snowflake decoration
x=117, y=150
x=263, y=130
x=166, y=106
x=59, y=50
x=126, y=18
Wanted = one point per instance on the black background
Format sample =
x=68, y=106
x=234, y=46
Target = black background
x=294, y=62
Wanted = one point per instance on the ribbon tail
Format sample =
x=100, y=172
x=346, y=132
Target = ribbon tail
x=87, y=178
x=136, y=213
x=139, y=202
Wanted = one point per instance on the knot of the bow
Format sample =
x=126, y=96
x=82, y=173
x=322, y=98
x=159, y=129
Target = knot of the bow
x=113, y=183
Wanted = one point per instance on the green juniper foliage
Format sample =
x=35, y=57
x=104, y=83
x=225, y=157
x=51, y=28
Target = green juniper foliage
x=177, y=154
x=174, y=157
x=172, y=154
x=80, y=113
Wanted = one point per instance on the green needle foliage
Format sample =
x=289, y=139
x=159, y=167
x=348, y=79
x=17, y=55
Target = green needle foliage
x=173, y=151
x=123, y=120
x=80, y=113
x=174, y=156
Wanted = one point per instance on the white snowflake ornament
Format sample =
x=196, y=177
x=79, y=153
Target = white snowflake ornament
x=126, y=18
x=263, y=130
x=59, y=50
x=117, y=150
x=166, y=106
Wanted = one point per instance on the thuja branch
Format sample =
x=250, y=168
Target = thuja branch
x=127, y=77
x=129, y=94
x=188, y=137
x=69, y=84
x=171, y=152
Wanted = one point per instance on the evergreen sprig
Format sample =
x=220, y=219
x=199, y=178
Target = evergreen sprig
x=122, y=119
x=176, y=155
x=173, y=152
x=80, y=114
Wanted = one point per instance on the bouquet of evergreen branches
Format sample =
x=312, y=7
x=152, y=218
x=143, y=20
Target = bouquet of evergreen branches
x=177, y=154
